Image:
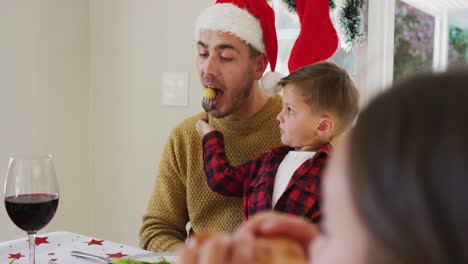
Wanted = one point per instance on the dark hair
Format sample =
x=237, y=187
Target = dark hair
x=253, y=52
x=408, y=157
x=327, y=87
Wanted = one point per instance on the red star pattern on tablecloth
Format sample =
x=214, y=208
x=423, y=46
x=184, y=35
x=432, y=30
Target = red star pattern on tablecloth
x=116, y=255
x=41, y=240
x=55, y=248
x=95, y=242
x=16, y=256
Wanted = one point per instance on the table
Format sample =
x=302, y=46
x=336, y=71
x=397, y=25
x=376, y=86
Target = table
x=55, y=248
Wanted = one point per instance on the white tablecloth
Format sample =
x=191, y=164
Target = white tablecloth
x=55, y=248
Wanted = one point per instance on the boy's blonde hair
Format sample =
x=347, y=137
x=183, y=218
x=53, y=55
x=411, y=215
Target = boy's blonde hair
x=327, y=87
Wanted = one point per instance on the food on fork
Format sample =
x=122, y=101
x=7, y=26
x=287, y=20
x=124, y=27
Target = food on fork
x=207, y=103
x=209, y=93
x=271, y=249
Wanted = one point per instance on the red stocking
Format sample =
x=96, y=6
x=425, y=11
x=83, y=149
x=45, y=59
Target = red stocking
x=317, y=40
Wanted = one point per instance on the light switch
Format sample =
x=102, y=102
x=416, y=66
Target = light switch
x=175, y=88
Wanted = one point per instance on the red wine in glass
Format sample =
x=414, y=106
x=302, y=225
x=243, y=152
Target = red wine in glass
x=31, y=212
x=31, y=194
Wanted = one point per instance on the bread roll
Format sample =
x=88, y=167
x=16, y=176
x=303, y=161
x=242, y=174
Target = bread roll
x=271, y=250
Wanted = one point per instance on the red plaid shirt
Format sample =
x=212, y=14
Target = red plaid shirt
x=254, y=180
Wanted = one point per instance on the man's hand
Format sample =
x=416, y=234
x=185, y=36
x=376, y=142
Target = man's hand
x=203, y=127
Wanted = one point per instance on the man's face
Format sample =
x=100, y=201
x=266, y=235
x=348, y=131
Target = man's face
x=226, y=64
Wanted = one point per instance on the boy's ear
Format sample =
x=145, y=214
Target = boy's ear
x=325, y=126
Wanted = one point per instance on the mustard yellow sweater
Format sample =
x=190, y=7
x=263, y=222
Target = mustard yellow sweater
x=181, y=193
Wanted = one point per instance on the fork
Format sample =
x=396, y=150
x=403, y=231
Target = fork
x=82, y=254
x=90, y=256
x=207, y=105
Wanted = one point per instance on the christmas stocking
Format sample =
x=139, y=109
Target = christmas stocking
x=317, y=40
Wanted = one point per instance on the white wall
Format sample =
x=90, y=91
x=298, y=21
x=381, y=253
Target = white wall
x=132, y=43
x=81, y=79
x=44, y=47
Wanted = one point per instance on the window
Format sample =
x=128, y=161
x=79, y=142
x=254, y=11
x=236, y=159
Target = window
x=458, y=45
x=429, y=35
x=414, y=40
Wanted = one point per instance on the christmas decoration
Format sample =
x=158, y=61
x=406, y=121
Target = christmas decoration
x=41, y=240
x=317, y=40
x=95, y=242
x=350, y=16
x=16, y=256
x=116, y=255
x=292, y=4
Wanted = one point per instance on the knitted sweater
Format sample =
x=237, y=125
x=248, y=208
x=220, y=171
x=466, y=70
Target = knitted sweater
x=181, y=193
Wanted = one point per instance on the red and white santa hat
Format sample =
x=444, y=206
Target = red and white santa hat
x=252, y=21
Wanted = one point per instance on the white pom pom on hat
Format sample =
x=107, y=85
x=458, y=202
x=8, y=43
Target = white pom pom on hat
x=270, y=82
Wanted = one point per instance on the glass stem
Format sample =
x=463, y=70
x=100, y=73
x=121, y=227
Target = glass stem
x=32, y=247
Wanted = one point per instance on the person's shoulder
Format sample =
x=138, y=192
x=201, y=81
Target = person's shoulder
x=275, y=152
x=276, y=102
x=272, y=107
x=277, y=99
x=281, y=149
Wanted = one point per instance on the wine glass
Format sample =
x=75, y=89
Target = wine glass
x=31, y=194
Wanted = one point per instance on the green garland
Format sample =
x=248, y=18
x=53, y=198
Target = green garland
x=350, y=29
x=291, y=5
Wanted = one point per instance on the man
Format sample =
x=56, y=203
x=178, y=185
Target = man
x=234, y=49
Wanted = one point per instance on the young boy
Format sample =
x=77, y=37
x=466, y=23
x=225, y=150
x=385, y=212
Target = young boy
x=320, y=102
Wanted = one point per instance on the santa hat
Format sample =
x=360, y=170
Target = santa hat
x=317, y=40
x=252, y=21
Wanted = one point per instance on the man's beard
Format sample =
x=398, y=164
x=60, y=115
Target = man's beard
x=237, y=99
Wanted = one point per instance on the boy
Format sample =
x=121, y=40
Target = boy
x=320, y=102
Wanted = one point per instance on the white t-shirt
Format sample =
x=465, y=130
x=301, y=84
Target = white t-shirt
x=291, y=162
